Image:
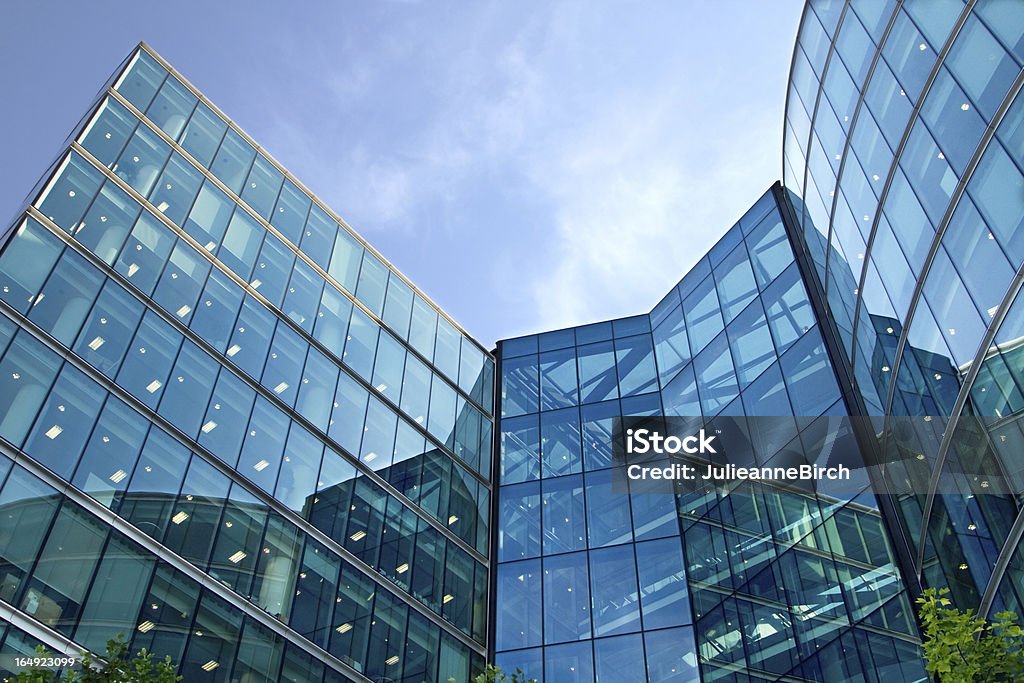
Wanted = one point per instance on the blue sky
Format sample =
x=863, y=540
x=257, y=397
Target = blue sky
x=527, y=165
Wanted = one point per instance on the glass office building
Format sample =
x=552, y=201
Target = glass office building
x=738, y=582
x=232, y=431
x=904, y=154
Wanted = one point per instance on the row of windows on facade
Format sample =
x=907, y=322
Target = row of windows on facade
x=141, y=352
x=934, y=116
x=253, y=178
x=67, y=422
x=160, y=264
x=70, y=571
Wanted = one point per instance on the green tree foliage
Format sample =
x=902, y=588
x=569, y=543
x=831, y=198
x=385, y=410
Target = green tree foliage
x=117, y=666
x=962, y=648
x=494, y=674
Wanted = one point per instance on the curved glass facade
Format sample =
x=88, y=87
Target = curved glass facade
x=729, y=583
x=903, y=139
x=233, y=432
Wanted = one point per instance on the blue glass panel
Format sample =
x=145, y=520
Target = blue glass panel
x=318, y=236
x=608, y=517
x=558, y=380
x=171, y=107
x=25, y=264
x=520, y=449
x=316, y=392
x=373, y=282
x=361, y=344
x=564, y=516
x=525, y=345
x=111, y=453
x=566, y=598
x=251, y=337
x=416, y=390
x=262, y=186
x=520, y=522
x=299, y=467
x=446, y=349
x=559, y=339
x=598, y=380
x=809, y=376
x=345, y=259
x=597, y=433
x=233, y=160
x=703, y=315
x=208, y=219
x=108, y=132
x=634, y=358
x=304, y=289
x=398, y=306
x=671, y=655
x=106, y=225
x=217, y=309
x=560, y=442
x=284, y=364
x=571, y=663
x=614, y=591
x=716, y=378
x=176, y=190
x=203, y=134
x=290, y=214
x=261, y=452
x=70, y=193
x=188, y=390
x=615, y=659
x=65, y=420
x=751, y=343
x=663, y=591
x=378, y=446
x=60, y=308
x=441, y=420
x=736, y=286
x=108, y=330
x=422, y=328
x=181, y=282
x=141, y=80
x=346, y=425
x=149, y=360
x=227, y=417
x=981, y=66
x=270, y=277
x=519, y=621
x=141, y=161
x=520, y=386
x=332, y=320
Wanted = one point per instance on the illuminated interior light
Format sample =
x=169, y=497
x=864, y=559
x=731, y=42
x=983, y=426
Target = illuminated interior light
x=238, y=557
x=402, y=568
x=235, y=348
x=209, y=426
x=54, y=431
x=369, y=457
x=132, y=269
x=96, y=343
x=965, y=106
x=344, y=628
x=146, y=626
x=453, y=519
x=358, y=536
x=162, y=207
x=256, y=283
x=183, y=311
x=393, y=659
x=280, y=387
x=449, y=597
x=211, y=245
x=261, y=465
x=180, y=517
x=153, y=386
x=210, y=665
x=118, y=477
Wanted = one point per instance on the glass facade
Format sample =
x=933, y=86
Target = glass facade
x=904, y=157
x=232, y=431
x=729, y=583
